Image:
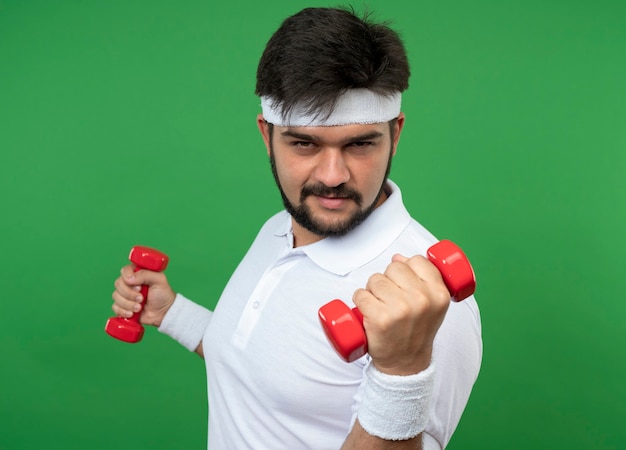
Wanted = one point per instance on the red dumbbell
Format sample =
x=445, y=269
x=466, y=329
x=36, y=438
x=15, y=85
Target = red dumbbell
x=344, y=326
x=130, y=330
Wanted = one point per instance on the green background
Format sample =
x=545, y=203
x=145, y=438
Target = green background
x=133, y=122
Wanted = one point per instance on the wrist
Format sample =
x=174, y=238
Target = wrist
x=185, y=322
x=411, y=366
x=394, y=407
x=155, y=318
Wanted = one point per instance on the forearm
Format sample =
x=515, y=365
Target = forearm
x=359, y=439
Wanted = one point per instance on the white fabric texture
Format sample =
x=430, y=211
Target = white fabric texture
x=274, y=381
x=186, y=322
x=395, y=407
x=360, y=106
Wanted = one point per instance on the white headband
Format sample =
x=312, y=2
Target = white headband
x=355, y=106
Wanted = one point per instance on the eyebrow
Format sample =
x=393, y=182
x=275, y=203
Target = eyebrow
x=314, y=138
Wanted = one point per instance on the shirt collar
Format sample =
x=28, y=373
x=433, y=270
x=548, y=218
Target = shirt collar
x=342, y=255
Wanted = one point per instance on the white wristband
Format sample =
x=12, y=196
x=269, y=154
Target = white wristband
x=186, y=322
x=395, y=407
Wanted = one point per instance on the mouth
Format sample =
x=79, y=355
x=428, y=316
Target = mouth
x=332, y=202
x=331, y=198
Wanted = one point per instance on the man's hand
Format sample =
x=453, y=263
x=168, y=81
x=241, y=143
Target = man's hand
x=127, y=297
x=402, y=311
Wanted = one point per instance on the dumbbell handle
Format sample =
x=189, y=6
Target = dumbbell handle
x=144, y=296
x=344, y=326
x=129, y=329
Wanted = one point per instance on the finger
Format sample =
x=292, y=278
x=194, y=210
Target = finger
x=402, y=274
x=431, y=278
x=363, y=298
x=399, y=257
x=142, y=277
x=411, y=279
x=426, y=270
x=119, y=312
x=128, y=275
x=127, y=291
x=393, y=286
x=125, y=303
x=382, y=287
x=368, y=304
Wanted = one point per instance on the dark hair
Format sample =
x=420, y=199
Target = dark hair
x=319, y=53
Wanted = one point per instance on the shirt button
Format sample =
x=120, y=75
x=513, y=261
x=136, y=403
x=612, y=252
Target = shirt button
x=256, y=305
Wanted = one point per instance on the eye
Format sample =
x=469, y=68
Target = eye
x=304, y=148
x=301, y=144
x=361, y=147
x=361, y=144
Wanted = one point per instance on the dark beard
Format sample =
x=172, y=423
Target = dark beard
x=302, y=213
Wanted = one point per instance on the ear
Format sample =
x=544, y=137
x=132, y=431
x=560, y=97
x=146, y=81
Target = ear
x=397, y=131
x=264, y=130
x=399, y=125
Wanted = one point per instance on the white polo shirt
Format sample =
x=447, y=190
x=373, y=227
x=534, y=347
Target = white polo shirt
x=274, y=381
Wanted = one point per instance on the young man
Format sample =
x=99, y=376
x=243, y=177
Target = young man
x=330, y=85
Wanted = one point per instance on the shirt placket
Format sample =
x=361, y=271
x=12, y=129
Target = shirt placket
x=261, y=294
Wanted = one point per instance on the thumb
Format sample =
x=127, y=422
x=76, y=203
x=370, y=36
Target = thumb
x=140, y=277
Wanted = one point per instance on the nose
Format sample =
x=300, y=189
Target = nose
x=332, y=169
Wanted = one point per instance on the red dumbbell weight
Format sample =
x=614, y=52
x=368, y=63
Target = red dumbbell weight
x=130, y=330
x=344, y=326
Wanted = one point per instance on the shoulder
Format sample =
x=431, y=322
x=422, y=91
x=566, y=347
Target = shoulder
x=277, y=225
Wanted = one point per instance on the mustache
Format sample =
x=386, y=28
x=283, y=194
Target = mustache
x=322, y=190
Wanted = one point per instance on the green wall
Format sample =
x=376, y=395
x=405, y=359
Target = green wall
x=132, y=122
